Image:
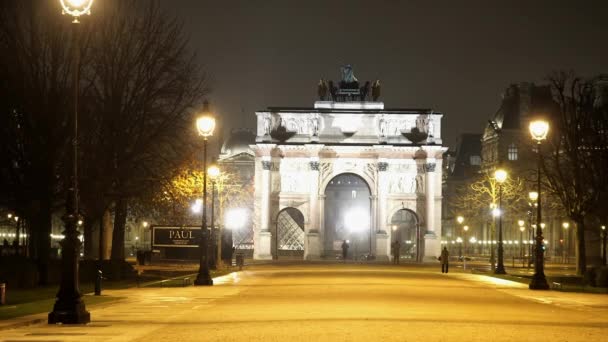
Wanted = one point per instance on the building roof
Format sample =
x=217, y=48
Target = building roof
x=238, y=142
x=469, y=144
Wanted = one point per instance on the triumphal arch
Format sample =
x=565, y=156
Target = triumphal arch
x=351, y=169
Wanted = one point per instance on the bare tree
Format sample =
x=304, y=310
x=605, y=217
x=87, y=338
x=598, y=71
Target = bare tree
x=145, y=86
x=574, y=161
x=35, y=69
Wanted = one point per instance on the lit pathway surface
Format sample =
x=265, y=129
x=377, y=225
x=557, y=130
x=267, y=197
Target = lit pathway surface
x=319, y=302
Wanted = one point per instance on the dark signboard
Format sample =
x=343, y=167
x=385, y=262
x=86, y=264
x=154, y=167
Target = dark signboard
x=168, y=236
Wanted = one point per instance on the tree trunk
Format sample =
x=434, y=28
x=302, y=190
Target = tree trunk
x=88, y=239
x=581, y=254
x=118, y=235
x=41, y=238
x=105, y=235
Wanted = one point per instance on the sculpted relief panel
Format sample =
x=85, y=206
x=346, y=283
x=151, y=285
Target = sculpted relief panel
x=294, y=176
x=405, y=179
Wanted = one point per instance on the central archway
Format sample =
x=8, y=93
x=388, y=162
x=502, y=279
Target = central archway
x=347, y=216
x=406, y=230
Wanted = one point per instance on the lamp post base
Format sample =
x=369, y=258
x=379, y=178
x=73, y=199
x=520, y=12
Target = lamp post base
x=539, y=282
x=69, y=313
x=500, y=269
x=203, y=278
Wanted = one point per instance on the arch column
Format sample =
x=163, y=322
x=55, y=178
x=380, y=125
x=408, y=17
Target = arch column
x=263, y=188
x=382, y=233
x=431, y=243
x=313, y=240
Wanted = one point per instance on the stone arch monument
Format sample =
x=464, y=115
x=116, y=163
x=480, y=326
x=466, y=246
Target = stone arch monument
x=392, y=150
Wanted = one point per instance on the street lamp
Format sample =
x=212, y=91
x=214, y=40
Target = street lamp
x=466, y=229
x=521, y=223
x=501, y=176
x=533, y=196
x=539, y=130
x=145, y=225
x=604, y=233
x=69, y=307
x=214, y=173
x=205, y=126
x=566, y=245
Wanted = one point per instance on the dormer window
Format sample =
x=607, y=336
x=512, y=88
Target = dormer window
x=512, y=152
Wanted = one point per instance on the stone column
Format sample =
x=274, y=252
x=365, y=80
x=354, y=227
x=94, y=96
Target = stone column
x=382, y=231
x=312, y=250
x=263, y=247
x=432, y=247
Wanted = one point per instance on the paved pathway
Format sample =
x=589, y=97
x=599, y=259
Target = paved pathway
x=339, y=303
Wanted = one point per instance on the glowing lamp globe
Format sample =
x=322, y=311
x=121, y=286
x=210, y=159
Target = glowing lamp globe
x=205, y=126
x=539, y=129
x=76, y=8
x=460, y=219
x=533, y=195
x=500, y=175
x=213, y=172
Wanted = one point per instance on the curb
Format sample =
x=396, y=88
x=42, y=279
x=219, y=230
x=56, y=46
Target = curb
x=35, y=319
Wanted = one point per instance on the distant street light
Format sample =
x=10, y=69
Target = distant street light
x=460, y=219
x=539, y=130
x=69, y=307
x=501, y=176
x=466, y=229
x=604, y=234
x=566, y=246
x=214, y=172
x=521, y=241
x=205, y=126
x=197, y=206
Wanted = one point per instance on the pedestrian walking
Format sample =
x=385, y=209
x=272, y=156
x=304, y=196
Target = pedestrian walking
x=344, y=249
x=396, y=247
x=445, y=256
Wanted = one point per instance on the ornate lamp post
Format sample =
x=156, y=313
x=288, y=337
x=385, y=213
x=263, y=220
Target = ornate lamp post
x=501, y=176
x=533, y=196
x=464, y=258
x=566, y=246
x=69, y=307
x=460, y=220
x=604, y=233
x=214, y=173
x=539, y=130
x=521, y=223
x=205, y=126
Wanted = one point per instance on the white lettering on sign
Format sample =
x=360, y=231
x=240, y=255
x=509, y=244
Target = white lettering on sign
x=180, y=234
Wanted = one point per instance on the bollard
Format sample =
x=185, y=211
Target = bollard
x=98, y=283
x=2, y=293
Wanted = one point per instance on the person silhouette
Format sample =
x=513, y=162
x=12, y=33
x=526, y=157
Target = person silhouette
x=344, y=250
x=445, y=256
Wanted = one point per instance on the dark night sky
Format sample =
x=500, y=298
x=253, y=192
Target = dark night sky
x=456, y=57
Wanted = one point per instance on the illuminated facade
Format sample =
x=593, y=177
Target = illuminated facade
x=347, y=171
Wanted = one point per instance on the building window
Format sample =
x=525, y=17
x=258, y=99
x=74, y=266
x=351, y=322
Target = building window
x=475, y=160
x=512, y=152
x=354, y=194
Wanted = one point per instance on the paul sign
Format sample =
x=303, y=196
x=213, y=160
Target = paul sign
x=166, y=236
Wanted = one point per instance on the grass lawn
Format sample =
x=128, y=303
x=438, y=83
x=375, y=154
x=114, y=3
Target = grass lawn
x=45, y=305
x=23, y=302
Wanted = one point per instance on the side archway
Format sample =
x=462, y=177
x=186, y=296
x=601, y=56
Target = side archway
x=289, y=233
x=405, y=228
